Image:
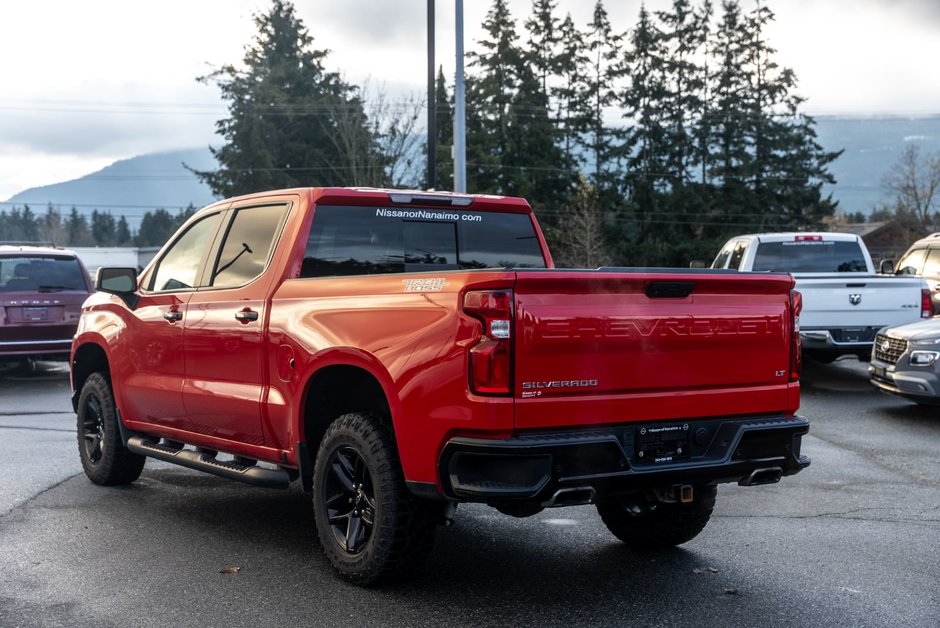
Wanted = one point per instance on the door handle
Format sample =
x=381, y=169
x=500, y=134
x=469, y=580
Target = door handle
x=245, y=316
x=173, y=315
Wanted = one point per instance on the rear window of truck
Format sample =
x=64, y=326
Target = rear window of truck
x=369, y=240
x=810, y=256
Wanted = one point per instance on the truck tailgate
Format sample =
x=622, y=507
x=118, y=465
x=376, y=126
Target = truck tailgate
x=859, y=302
x=596, y=347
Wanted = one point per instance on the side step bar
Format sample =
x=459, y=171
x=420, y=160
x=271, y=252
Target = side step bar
x=200, y=461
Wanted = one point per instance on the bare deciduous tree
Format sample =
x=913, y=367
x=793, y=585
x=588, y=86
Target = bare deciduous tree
x=914, y=182
x=382, y=149
x=580, y=239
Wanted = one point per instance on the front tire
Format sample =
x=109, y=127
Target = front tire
x=655, y=525
x=370, y=526
x=105, y=459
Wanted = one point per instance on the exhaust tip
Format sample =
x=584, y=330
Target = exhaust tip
x=571, y=497
x=767, y=475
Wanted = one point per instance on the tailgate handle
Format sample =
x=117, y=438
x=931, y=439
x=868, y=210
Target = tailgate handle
x=669, y=289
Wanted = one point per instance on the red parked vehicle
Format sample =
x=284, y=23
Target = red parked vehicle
x=400, y=352
x=42, y=289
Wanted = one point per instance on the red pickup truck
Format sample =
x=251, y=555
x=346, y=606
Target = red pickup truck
x=399, y=352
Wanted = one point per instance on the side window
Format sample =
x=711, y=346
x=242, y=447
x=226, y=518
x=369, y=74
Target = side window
x=932, y=265
x=911, y=263
x=737, y=255
x=179, y=267
x=722, y=259
x=247, y=246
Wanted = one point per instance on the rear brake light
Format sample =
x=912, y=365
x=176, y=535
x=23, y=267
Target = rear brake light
x=926, y=306
x=490, y=360
x=796, y=345
x=807, y=238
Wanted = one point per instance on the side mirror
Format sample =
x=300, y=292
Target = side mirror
x=121, y=282
x=697, y=263
x=886, y=267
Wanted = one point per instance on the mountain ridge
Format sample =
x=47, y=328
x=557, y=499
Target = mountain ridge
x=132, y=186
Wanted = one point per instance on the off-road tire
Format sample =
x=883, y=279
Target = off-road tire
x=358, y=450
x=104, y=457
x=660, y=525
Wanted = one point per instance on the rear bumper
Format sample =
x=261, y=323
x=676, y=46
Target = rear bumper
x=617, y=460
x=849, y=339
x=53, y=349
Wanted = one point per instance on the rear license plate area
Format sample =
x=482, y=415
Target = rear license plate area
x=853, y=334
x=35, y=314
x=659, y=444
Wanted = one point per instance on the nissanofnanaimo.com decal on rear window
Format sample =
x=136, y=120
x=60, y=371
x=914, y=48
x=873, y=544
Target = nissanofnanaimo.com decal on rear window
x=424, y=214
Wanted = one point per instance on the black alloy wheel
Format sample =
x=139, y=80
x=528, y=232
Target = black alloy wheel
x=92, y=429
x=370, y=526
x=350, y=499
x=105, y=458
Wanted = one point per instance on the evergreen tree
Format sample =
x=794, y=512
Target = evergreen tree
x=78, y=232
x=489, y=95
x=28, y=225
x=789, y=166
x=511, y=143
x=573, y=110
x=285, y=128
x=646, y=178
x=684, y=37
x=51, y=228
x=122, y=233
x=543, y=29
x=156, y=227
x=103, y=228
x=602, y=50
x=727, y=121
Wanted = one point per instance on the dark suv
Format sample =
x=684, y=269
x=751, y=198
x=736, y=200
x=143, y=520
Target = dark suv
x=41, y=294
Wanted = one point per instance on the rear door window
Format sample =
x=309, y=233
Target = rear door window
x=248, y=245
x=932, y=264
x=368, y=240
x=737, y=256
x=810, y=256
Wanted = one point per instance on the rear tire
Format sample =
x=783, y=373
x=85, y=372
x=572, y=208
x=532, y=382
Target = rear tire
x=659, y=525
x=370, y=526
x=104, y=457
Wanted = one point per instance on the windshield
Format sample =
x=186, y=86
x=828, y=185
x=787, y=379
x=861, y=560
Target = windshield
x=39, y=273
x=814, y=256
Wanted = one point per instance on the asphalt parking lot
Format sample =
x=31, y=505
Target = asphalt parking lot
x=851, y=541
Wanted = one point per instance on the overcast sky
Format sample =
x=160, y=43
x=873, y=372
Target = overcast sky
x=92, y=81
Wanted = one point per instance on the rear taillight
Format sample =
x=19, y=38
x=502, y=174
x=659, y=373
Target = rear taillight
x=490, y=363
x=926, y=306
x=796, y=346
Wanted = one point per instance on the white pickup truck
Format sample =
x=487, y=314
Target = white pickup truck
x=844, y=301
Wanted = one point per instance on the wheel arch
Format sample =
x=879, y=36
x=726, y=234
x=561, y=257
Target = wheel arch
x=337, y=389
x=87, y=358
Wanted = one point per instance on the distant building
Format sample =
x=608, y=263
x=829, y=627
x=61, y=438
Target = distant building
x=94, y=257
x=885, y=240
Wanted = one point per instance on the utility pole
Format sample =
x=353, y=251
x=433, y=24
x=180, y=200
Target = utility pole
x=432, y=103
x=460, y=113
